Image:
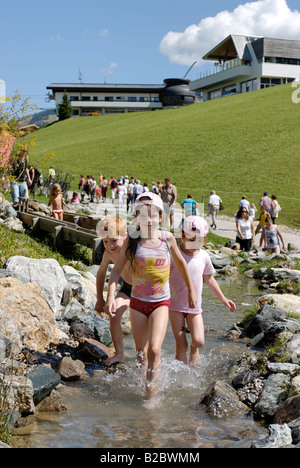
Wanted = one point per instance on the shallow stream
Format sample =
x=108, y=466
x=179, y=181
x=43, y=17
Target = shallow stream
x=109, y=410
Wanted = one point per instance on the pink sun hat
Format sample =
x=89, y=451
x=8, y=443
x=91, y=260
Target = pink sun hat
x=149, y=198
x=195, y=226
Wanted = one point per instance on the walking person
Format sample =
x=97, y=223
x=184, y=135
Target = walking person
x=113, y=231
x=245, y=229
x=169, y=197
x=194, y=232
x=214, y=204
x=104, y=188
x=275, y=210
x=113, y=188
x=148, y=249
x=19, y=187
x=130, y=196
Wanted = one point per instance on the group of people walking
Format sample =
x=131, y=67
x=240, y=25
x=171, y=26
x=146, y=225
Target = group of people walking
x=271, y=235
x=245, y=217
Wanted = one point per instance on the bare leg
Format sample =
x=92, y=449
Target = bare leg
x=139, y=326
x=196, y=327
x=122, y=304
x=149, y=333
x=178, y=326
x=158, y=322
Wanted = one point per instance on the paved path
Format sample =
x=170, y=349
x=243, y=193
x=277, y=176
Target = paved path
x=225, y=225
x=226, y=228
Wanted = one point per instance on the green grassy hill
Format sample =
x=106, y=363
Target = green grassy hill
x=243, y=144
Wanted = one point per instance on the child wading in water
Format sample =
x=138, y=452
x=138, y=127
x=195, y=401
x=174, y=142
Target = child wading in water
x=113, y=231
x=57, y=202
x=271, y=237
x=194, y=231
x=148, y=250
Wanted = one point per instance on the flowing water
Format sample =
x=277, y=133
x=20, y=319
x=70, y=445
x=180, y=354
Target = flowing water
x=109, y=410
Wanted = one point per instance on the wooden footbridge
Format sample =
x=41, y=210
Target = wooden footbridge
x=75, y=229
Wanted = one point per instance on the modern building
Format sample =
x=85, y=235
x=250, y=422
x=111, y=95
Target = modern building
x=99, y=99
x=246, y=63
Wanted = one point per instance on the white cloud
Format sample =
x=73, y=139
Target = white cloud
x=57, y=38
x=103, y=32
x=109, y=70
x=270, y=18
x=96, y=32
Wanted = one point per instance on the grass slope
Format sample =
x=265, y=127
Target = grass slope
x=243, y=144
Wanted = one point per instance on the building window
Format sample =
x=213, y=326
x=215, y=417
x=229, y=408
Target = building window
x=275, y=81
x=132, y=99
x=86, y=98
x=268, y=82
x=282, y=60
x=109, y=98
x=73, y=98
x=95, y=98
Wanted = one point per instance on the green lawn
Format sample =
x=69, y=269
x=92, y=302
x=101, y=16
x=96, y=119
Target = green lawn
x=243, y=144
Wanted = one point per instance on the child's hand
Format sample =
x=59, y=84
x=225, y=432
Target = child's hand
x=110, y=307
x=192, y=298
x=100, y=305
x=231, y=305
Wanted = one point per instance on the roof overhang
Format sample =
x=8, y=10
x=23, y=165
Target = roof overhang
x=224, y=51
x=234, y=46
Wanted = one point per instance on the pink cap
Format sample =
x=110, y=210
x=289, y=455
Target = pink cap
x=149, y=198
x=195, y=226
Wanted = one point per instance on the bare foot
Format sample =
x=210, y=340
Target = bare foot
x=194, y=356
x=117, y=358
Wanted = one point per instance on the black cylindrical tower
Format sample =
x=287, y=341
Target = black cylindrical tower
x=176, y=93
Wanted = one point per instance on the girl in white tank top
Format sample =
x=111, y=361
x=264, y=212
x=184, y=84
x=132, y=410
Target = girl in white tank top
x=271, y=237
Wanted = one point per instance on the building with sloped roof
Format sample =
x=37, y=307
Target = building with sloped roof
x=248, y=63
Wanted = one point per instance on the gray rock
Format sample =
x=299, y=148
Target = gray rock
x=5, y=348
x=222, y=400
x=279, y=436
x=295, y=428
x=47, y=273
x=44, y=380
x=272, y=395
x=98, y=326
x=9, y=212
x=282, y=367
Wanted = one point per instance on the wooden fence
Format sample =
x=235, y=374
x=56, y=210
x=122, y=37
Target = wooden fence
x=74, y=228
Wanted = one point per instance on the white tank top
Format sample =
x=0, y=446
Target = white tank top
x=272, y=239
x=151, y=271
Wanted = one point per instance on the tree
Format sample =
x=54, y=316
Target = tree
x=64, y=109
x=12, y=111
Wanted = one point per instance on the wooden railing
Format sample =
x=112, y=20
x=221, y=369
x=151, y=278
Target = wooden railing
x=74, y=229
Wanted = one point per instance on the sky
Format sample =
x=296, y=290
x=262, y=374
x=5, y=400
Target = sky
x=124, y=41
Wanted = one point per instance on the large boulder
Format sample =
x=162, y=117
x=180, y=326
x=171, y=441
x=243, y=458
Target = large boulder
x=222, y=400
x=47, y=273
x=290, y=303
x=26, y=318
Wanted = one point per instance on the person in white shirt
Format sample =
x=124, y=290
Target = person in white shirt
x=245, y=229
x=130, y=196
x=122, y=191
x=214, y=203
x=244, y=202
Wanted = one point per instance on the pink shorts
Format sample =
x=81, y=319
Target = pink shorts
x=146, y=308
